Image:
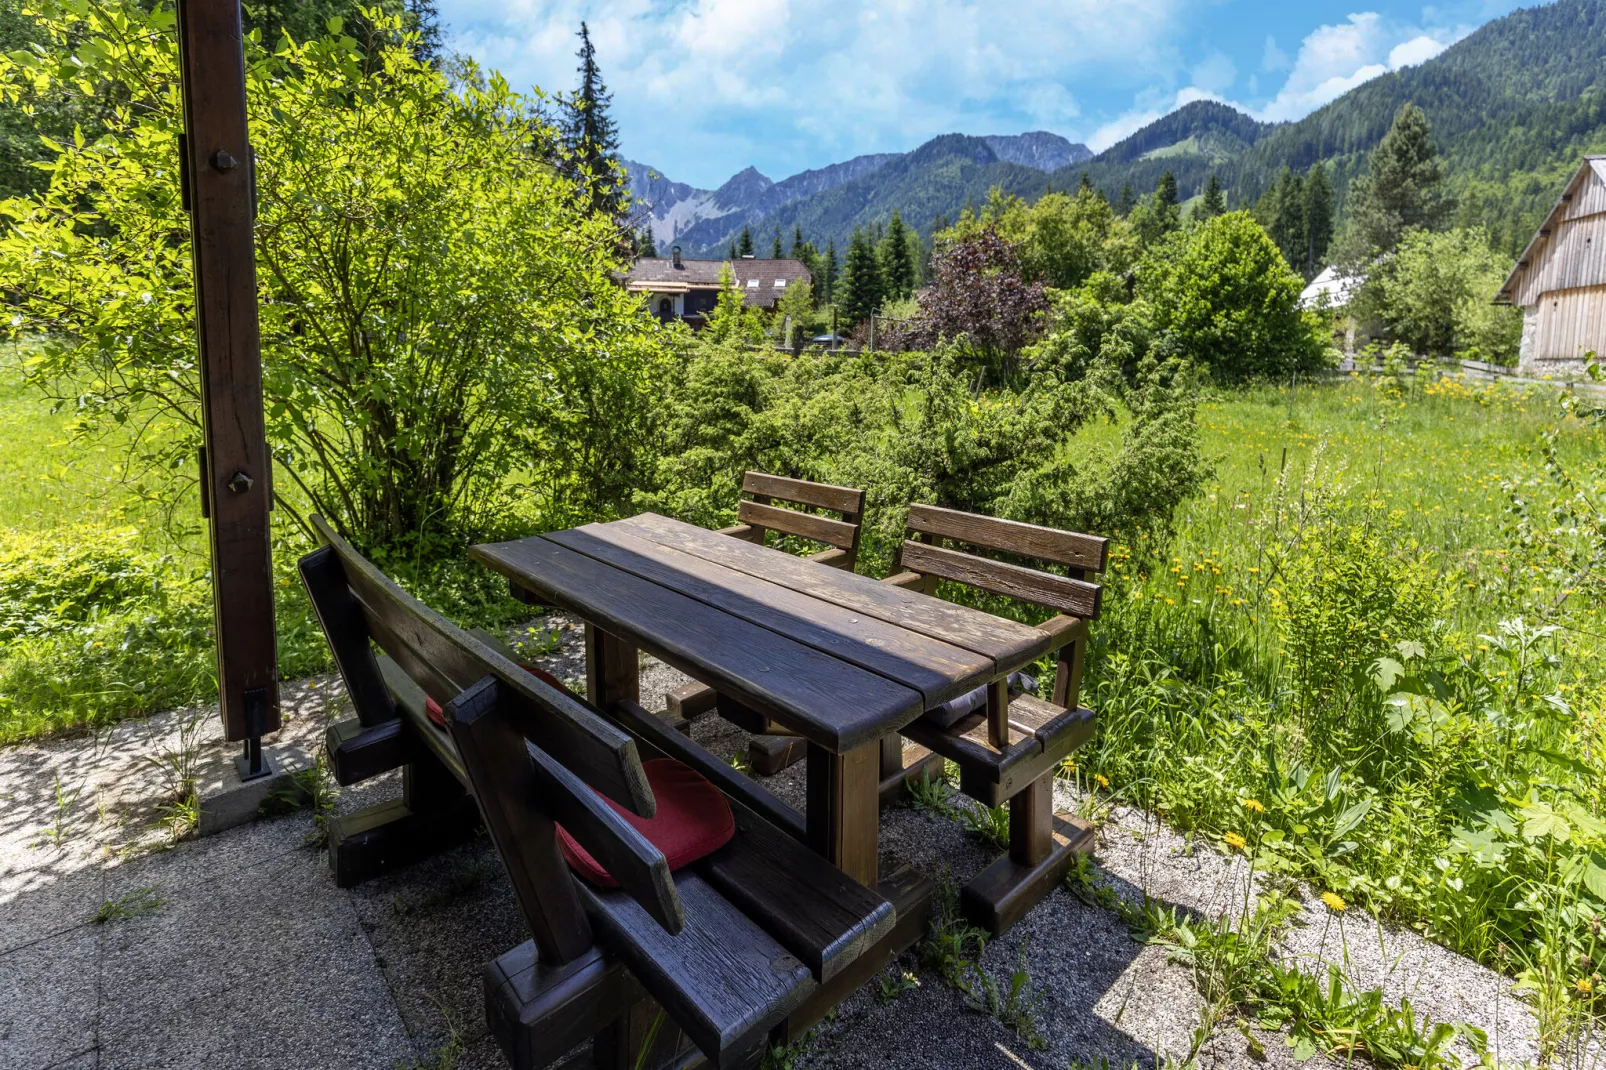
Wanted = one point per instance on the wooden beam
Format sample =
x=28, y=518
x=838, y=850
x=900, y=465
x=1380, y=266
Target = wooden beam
x=238, y=468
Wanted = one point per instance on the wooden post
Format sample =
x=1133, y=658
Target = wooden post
x=237, y=477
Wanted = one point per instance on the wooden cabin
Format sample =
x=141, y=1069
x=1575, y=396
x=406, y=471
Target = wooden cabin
x=1560, y=279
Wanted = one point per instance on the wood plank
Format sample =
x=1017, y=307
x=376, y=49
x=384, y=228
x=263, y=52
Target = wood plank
x=849, y=500
x=833, y=703
x=938, y=670
x=219, y=178
x=658, y=735
x=627, y=856
x=538, y=1011
x=724, y=980
x=344, y=629
x=357, y=753
x=844, y=809
x=1041, y=588
x=1091, y=552
x=505, y=787
x=812, y=908
x=378, y=839
x=837, y=533
x=1009, y=643
x=447, y=660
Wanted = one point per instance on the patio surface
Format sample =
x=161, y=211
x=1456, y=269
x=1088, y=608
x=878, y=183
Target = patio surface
x=239, y=951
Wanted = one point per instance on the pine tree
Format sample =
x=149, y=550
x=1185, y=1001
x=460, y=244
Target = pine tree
x=861, y=279
x=1125, y=200
x=732, y=254
x=1286, y=223
x=797, y=242
x=645, y=245
x=744, y=244
x=425, y=21
x=1214, y=202
x=589, y=133
x=1403, y=188
x=828, y=274
x=1318, y=218
x=1086, y=183
x=897, y=265
x=775, y=248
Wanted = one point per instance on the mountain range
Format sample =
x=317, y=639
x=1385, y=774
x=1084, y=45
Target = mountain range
x=1513, y=105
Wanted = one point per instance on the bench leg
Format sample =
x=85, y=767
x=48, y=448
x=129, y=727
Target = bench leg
x=623, y=1044
x=433, y=814
x=774, y=752
x=687, y=702
x=1042, y=846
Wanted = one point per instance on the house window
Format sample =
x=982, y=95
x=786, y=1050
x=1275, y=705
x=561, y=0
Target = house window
x=780, y=284
x=752, y=284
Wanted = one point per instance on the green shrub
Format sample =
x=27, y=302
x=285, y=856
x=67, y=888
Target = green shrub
x=1230, y=302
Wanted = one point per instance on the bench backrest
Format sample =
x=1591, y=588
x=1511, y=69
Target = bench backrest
x=527, y=750
x=1079, y=554
x=757, y=512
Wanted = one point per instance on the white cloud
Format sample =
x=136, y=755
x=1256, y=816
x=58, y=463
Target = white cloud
x=1334, y=59
x=706, y=80
x=1273, y=58
x=1216, y=72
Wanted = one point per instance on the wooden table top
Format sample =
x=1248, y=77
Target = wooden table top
x=839, y=658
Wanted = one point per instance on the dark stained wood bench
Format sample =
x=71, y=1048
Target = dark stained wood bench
x=731, y=946
x=1009, y=749
x=758, y=515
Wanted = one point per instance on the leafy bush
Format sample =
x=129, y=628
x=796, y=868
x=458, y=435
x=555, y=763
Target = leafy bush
x=1062, y=238
x=1434, y=293
x=437, y=304
x=1230, y=302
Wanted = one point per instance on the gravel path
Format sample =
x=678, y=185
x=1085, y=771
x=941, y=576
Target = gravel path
x=251, y=956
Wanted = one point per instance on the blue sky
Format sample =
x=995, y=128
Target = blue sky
x=703, y=88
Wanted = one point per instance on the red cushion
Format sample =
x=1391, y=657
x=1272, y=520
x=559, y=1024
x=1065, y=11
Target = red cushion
x=693, y=820
x=436, y=714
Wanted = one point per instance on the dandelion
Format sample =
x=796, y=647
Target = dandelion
x=1584, y=987
x=1103, y=781
x=1254, y=806
x=1232, y=839
x=1335, y=902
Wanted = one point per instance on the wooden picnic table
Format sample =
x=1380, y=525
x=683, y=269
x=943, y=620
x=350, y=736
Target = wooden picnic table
x=841, y=659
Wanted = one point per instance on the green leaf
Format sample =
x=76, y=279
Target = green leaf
x=1385, y=671
x=1595, y=875
x=1410, y=648
x=1540, y=820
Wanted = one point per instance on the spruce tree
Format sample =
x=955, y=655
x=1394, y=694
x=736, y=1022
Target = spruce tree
x=775, y=248
x=1214, y=202
x=645, y=245
x=1167, y=216
x=744, y=244
x=1403, y=188
x=861, y=279
x=797, y=242
x=828, y=274
x=732, y=254
x=897, y=264
x=1125, y=200
x=1318, y=217
x=1287, y=223
x=589, y=133
x=1086, y=183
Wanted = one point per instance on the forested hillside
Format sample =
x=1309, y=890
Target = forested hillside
x=1513, y=107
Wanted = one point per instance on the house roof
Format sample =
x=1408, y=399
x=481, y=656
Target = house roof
x=1329, y=289
x=762, y=282
x=1565, y=209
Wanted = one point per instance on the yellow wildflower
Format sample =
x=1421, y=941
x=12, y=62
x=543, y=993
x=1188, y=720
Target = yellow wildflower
x=1234, y=840
x=1584, y=986
x=1335, y=901
x=1254, y=805
x=1103, y=780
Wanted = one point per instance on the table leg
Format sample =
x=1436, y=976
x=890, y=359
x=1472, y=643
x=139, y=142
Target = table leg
x=613, y=669
x=844, y=809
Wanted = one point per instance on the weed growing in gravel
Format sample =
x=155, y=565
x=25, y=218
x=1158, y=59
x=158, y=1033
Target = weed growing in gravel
x=895, y=981
x=990, y=824
x=130, y=904
x=952, y=945
x=1018, y=1007
x=313, y=788
x=932, y=796
x=61, y=820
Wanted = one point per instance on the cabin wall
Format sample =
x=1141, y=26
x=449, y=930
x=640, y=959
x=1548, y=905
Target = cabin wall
x=1560, y=328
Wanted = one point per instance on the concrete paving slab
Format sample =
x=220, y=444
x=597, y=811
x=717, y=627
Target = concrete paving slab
x=41, y=903
x=48, y=1000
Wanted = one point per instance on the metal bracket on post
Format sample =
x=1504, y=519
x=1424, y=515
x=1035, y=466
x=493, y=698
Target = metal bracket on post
x=251, y=764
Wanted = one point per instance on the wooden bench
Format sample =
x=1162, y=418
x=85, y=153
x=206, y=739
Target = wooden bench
x=758, y=516
x=1009, y=748
x=730, y=946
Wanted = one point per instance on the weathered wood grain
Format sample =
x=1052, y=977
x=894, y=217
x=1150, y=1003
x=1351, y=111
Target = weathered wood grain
x=1073, y=596
x=938, y=670
x=1089, y=552
x=794, y=522
x=844, y=808
x=849, y=500
x=1009, y=643
x=828, y=700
